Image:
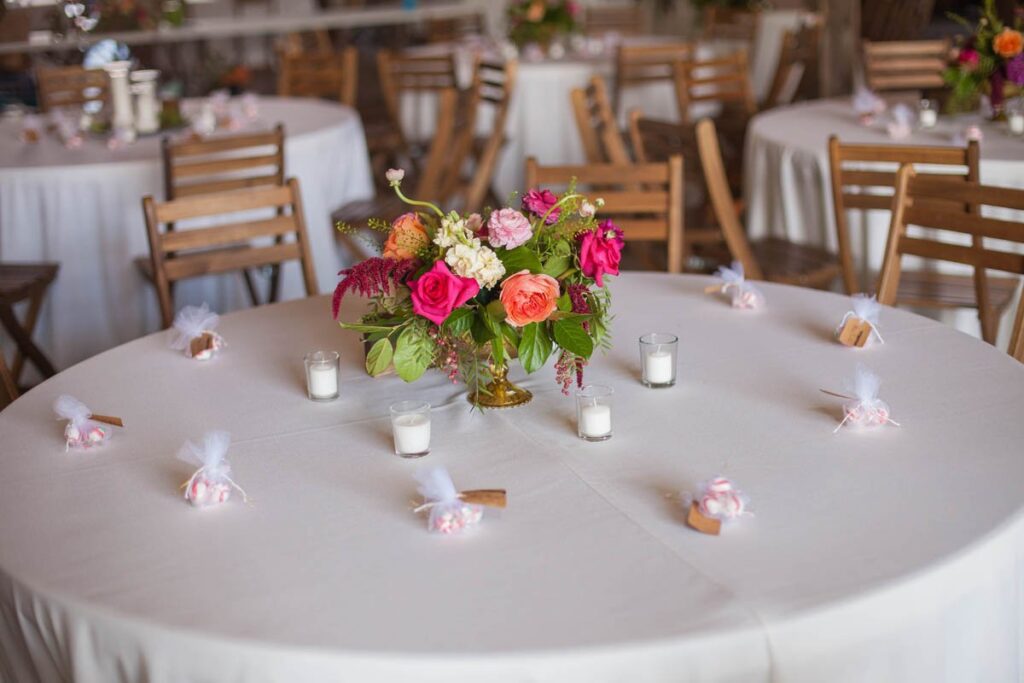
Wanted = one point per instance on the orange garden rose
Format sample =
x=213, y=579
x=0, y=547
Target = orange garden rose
x=536, y=11
x=528, y=298
x=1008, y=43
x=407, y=237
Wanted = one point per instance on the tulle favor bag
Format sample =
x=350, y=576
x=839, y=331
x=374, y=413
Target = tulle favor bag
x=859, y=327
x=719, y=501
x=451, y=511
x=81, y=431
x=194, y=332
x=742, y=293
x=865, y=410
x=211, y=483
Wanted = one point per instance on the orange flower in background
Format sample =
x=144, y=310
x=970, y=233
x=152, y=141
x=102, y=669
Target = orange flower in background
x=407, y=237
x=1008, y=43
x=536, y=11
x=528, y=298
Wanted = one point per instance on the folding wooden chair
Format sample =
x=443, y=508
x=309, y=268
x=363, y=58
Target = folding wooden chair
x=905, y=64
x=70, y=86
x=21, y=282
x=595, y=121
x=642, y=65
x=327, y=74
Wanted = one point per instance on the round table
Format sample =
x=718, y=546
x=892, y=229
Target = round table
x=886, y=555
x=82, y=208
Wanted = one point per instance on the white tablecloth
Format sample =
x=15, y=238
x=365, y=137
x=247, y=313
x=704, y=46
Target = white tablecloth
x=83, y=208
x=883, y=556
x=788, y=191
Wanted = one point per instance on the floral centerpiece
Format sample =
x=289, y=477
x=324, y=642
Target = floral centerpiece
x=989, y=60
x=540, y=21
x=465, y=293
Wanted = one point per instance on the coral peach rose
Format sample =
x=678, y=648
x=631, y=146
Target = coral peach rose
x=528, y=298
x=407, y=237
x=1008, y=43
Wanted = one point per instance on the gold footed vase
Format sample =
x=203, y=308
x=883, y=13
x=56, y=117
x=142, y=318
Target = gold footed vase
x=499, y=392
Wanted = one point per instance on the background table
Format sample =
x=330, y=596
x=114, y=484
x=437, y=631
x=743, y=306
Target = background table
x=788, y=191
x=887, y=555
x=83, y=208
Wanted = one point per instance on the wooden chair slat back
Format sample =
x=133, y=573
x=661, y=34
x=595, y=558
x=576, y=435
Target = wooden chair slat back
x=327, y=74
x=914, y=193
x=797, y=69
x=495, y=86
x=905, y=64
x=70, y=86
x=184, y=253
x=440, y=159
x=595, y=121
x=724, y=79
x=626, y=20
x=226, y=163
x=401, y=72
x=653, y=213
x=639, y=65
x=730, y=24
x=722, y=201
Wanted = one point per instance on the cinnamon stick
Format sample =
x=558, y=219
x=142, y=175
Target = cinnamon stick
x=495, y=498
x=855, y=332
x=107, y=419
x=703, y=524
x=711, y=289
x=203, y=342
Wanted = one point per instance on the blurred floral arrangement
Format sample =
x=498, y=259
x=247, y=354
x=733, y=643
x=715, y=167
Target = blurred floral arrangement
x=125, y=15
x=463, y=293
x=990, y=61
x=236, y=79
x=541, y=21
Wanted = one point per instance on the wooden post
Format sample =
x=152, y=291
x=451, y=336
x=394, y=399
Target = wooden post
x=840, y=50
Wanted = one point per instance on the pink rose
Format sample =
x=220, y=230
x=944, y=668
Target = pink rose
x=508, y=228
x=601, y=251
x=539, y=202
x=438, y=292
x=968, y=57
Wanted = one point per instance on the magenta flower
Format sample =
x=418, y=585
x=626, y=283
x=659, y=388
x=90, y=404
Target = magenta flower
x=968, y=58
x=1015, y=70
x=508, y=228
x=539, y=202
x=438, y=292
x=601, y=252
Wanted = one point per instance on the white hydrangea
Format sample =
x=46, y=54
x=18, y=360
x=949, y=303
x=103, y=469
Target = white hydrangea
x=477, y=262
x=453, y=231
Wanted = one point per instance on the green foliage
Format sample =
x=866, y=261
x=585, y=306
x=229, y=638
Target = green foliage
x=534, y=347
x=570, y=335
x=459, y=322
x=414, y=352
x=520, y=258
x=378, y=360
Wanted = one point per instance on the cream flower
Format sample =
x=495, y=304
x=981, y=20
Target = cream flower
x=477, y=262
x=454, y=231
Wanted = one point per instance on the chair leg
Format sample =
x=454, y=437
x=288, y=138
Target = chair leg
x=24, y=342
x=34, y=306
x=250, y=285
x=275, y=284
x=8, y=387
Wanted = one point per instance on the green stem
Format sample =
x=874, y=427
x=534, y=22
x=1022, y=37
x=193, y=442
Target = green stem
x=544, y=218
x=414, y=202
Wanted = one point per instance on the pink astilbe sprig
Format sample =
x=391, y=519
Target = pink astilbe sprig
x=373, y=277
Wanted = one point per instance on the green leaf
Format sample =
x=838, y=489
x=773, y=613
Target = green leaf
x=496, y=310
x=481, y=332
x=360, y=327
x=378, y=360
x=519, y=259
x=570, y=335
x=534, y=347
x=556, y=265
x=413, y=353
x=564, y=303
x=460, y=321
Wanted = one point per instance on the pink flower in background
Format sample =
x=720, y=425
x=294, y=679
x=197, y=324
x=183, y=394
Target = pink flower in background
x=968, y=57
x=601, y=252
x=475, y=223
x=539, y=202
x=573, y=8
x=508, y=228
x=438, y=292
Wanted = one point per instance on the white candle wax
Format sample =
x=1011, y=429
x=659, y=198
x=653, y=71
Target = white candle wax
x=1017, y=124
x=412, y=433
x=928, y=118
x=323, y=380
x=658, y=367
x=596, y=420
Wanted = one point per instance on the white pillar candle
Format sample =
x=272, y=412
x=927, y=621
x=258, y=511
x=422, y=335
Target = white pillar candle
x=658, y=367
x=323, y=381
x=1017, y=124
x=411, y=432
x=928, y=118
x=596, y=420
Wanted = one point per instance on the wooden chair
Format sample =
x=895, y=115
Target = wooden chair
x=8, y=389
x=492, y=89
x=317, y=41
x=595, y=121
x=724, y=79
x=796, y=74
x=935, y=202
x=863, y=178
x=641, y=65
x=905, y=64
x=458, y=28
x=225, y=247
x=651, y=214
x=24, y=282
x=222, y=164
x=771, y=258
x=428, y=183
x=626, y=20
x=404, y=72
x=725, y=23
x=71, y=86
x=327, y=74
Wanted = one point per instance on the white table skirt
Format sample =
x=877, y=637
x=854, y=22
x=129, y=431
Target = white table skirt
x=83, y=209
x=883, y=556
x=788, y=190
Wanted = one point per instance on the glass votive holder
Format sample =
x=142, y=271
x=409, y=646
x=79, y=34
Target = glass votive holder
x=322, y=375
x=594, y=412
x=410, y=426
x=658, y=359
x=1015, y=116
x=928, y=113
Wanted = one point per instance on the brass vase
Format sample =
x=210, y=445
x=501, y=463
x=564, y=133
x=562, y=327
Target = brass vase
x=499, y=392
